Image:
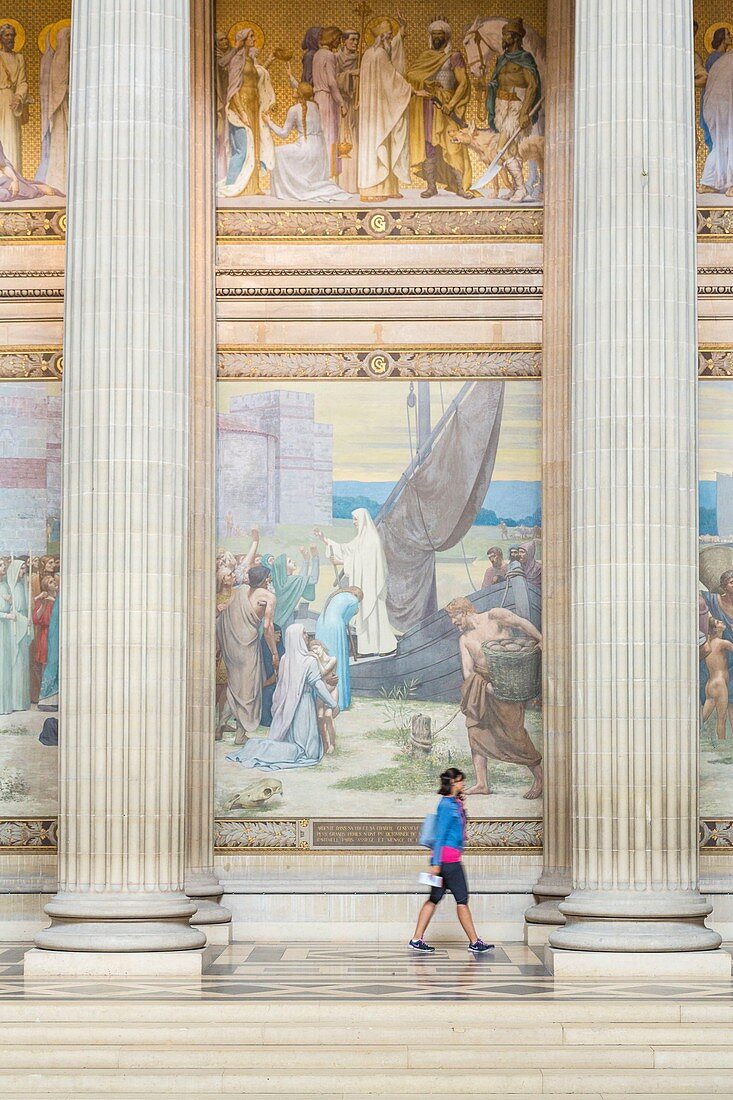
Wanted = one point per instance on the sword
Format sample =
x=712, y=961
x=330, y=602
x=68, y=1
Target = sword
x=495, y=166
x=460, y=122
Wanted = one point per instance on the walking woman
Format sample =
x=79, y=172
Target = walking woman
x=448, y=847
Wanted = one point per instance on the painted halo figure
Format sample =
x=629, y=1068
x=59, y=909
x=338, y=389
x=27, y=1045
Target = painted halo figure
x=249, y=96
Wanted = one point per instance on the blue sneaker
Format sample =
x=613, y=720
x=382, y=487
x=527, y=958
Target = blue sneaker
x=479, y=947
x=420, y=945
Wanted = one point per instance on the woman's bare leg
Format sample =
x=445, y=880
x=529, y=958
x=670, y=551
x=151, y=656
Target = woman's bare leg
x=423, y=920
x=464, y=916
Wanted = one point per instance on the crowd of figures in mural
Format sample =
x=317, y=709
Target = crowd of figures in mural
x=350, y=611
x=379, y=108
x=21, y=181
x=29, y=633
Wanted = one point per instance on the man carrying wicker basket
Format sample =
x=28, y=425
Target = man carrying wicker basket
x=501, y=662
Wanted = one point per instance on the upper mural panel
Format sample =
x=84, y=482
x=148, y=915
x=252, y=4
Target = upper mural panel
x=353, y=106
x=35, y=41
x=714, y=89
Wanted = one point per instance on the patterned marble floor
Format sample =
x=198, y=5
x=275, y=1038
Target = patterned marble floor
x=353, y=972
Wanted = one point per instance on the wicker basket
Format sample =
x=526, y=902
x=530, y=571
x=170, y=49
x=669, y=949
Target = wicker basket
x=515, y=670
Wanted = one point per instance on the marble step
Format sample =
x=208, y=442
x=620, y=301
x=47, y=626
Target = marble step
x=417, y=1056
x=498, y=1013
x=351, y=1083
x=299, y=1095
x=228, y=1033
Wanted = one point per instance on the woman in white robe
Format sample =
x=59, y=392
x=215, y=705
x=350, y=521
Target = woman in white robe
x=717, y=112
x=364, y=561
x=300, y=172
x=295, y=739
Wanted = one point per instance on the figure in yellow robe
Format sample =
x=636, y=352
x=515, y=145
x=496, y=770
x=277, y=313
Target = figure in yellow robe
x=440, y=81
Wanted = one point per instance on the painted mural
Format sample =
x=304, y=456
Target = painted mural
x=30, y=504
x=378, y=596
x=713, y=28
x=357, y=105
x=716, y=597
x=35, y=43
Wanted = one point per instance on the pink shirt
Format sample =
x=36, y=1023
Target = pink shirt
x=450, y=855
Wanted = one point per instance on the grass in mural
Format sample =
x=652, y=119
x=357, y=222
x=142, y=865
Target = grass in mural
x=413, y=770
x=12, y=785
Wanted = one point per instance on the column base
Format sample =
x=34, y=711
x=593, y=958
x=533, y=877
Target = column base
x=679, y=965
x=549, y=892
x=120, y=936
x=537, y=935
x=217, y=935
x=40, y=964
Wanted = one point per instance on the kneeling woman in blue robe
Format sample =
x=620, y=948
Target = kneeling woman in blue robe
x=295, y=740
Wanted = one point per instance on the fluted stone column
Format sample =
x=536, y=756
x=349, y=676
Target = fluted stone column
x=202, y=885
x=125, y=499
x=634, y=502
x=555, y=881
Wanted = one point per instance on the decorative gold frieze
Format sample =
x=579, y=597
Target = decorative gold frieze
x=38, y=225
x=413, y=223
x=323, y=363
x=31, y=364
x=715, y=362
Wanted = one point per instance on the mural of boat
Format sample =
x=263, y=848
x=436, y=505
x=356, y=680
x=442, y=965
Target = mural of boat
x=427, y=658
x=430, y=510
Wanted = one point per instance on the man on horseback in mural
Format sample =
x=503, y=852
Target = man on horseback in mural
x=514, y=90
x=437, y=113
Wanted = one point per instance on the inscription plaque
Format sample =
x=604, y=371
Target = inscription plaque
x=364, y=834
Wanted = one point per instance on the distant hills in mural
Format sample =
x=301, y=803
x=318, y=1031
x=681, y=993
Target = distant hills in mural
x=515, y=502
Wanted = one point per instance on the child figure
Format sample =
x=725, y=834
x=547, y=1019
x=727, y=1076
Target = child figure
x=327, y=664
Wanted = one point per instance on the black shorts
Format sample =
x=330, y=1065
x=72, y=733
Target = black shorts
x=454, y=879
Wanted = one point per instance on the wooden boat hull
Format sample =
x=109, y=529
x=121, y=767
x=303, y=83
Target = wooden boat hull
x=427, y=658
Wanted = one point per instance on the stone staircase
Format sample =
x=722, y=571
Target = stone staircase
x=73, y=1049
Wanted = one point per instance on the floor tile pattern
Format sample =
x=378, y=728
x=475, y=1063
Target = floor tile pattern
x=353, y=972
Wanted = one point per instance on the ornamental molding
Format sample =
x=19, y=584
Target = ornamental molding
x=31, y=364
x=31, y=293
x=340, y=272
x=347, y=292
x=302, y=834
x=19, y=834
x=409, y=223
x=32, y=224
x=26, y=834
x=715, y=362
x=379, y=363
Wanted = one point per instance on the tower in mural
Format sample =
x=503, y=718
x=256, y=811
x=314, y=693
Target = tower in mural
x=275, y=461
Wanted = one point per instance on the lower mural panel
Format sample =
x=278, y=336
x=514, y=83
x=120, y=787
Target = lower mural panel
x=377, y=504
x=378, y=609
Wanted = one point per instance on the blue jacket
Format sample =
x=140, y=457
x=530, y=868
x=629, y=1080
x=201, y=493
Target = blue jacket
x=449, y=828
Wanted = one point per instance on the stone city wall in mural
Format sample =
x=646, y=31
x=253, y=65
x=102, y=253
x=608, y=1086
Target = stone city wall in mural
x=353, y=105
x=378, y=597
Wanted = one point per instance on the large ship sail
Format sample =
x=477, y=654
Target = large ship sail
x=436, y=501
